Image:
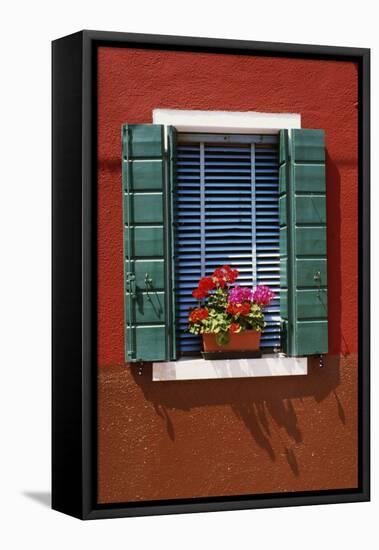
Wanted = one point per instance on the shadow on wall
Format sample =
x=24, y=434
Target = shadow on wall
x=252, y=400
x=337, y=341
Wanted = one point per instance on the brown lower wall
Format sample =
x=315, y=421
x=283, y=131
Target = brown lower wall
x=164, y=440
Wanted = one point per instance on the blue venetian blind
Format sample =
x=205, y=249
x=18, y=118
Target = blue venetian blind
x=227, y=212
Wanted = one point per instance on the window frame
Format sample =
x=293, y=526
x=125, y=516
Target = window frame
x=242, y=124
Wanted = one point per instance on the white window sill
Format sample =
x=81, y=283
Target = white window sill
x=201, y=369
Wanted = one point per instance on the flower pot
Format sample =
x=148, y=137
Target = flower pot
x=249, y=340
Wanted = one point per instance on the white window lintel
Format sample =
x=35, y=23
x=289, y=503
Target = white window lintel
x=242, y=122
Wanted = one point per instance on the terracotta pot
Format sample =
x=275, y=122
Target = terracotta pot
x=249, y=340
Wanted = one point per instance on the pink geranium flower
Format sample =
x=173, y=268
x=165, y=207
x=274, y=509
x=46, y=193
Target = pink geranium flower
x=263, y=295
x=240, y=294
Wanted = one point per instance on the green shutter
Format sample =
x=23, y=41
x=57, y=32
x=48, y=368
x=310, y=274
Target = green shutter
x=303, y=270
x=147, y=244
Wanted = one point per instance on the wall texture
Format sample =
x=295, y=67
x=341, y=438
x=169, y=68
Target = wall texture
x=209, y=438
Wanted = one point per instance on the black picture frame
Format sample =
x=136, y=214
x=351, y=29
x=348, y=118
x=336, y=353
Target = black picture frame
x=74, y=294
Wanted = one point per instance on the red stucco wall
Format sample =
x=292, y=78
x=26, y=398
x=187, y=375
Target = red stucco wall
x=172, y=440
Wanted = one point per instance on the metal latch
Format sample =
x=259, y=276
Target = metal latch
x=131, y=283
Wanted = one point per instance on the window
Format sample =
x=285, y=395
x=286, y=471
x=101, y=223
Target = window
x=227, y=212
x=180, y=206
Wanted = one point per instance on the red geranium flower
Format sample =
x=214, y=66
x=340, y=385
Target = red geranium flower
x=198, y=314
x=219, y=277
x=242, y=309
x=231, y=309
x=199, y=294
x=206, y=283
x=231, y=274
x=203, y=313
x=223, y=275
x=234, y=327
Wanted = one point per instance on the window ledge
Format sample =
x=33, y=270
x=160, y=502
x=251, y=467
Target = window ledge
x=200, y=369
